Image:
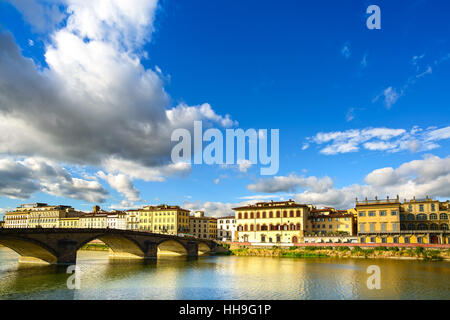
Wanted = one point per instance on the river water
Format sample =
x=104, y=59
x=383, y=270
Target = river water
x=224, y=277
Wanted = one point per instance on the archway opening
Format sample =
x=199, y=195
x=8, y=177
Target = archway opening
x=203, y=248
x=171, y=248
x=30, y=251
x=118, y=246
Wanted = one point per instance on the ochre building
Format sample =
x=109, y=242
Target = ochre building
x=392, y=221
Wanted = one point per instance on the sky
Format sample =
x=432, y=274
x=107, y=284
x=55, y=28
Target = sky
x=90, y=93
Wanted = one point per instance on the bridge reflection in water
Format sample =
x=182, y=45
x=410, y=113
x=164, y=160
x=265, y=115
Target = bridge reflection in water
x=60, y=246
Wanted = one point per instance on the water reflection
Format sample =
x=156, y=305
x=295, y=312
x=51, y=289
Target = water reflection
x=224, y=278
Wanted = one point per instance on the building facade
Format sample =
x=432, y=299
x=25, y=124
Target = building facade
x=271, y=222
x=116, y=220
x=330, y=222
x=203, y=227
x=163, y=219
x=392, y=221
x=226, y=228
x=37, y=215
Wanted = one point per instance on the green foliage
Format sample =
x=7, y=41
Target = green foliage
x=343, y=248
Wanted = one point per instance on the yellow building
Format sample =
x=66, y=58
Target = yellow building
x=37, y=215
x=271, y=222
x=69, y=222
x=330, y=222
x=159, y=219
x=393, y=221
x=203, y=227
x=2, y=224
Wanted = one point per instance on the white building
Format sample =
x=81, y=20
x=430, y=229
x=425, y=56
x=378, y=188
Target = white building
x=226, y=228
x=116, y=220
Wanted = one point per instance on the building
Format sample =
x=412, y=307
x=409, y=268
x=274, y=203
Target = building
x=392, y=221
x=2, y=224
x=163, y=219
x=37, y=215
x=132, y=219
x=70, y=222
x=226, y=228
x=272, y=222
x=97, y=219
x=116, y=220
x=330, y=222
x=203, y=227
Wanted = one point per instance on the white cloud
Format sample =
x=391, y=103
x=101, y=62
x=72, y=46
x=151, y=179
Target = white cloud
x=244, y=165
x=211, y=209
x=42, y=15
x=391, y=96
x=420, y=178
x=345, y=51
x=19, y=179
x=291, y=183
x=95, y=104
x=122, y=184
x=379, y=139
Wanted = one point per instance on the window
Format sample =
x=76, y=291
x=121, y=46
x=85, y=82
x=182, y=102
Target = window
x=372, y=227
x=362, y=240
x=373, y=239
x=433, y=207
x=422, y=226
x=406, y=239
x=410, y=217
x=383, y=240
x=298, y=213
x=382, y=213
x=444, y=226
x=371, y=213
x=383, y=227
x=433, y=216
x=270, y=214
x=443, y=216
x=395, y=239
x=421, y=209
x=422, y=217
x=419, y=240
x=278, y=214
x=411, y=226
x=410, y=208
x=434, y=226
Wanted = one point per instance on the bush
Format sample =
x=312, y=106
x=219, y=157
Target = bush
x=381, y=249
x=343, y=248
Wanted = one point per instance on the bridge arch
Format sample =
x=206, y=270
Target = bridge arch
x=30, y=250
x=172, y=247
x=121, y=246
x=203, y=248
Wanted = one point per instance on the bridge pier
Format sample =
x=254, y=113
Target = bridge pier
x=150, y=249
x=192, y=249
x=67, y=252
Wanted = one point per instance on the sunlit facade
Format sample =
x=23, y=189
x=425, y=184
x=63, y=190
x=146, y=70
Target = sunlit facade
x=392, y=221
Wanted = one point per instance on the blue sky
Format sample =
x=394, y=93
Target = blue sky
x=360, y=112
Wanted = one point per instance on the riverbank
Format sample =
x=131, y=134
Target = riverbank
x=343, y=252
x=95, y=247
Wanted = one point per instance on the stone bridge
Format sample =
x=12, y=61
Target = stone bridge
x=60, y=246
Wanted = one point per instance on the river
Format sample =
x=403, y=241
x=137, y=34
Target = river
x=224, y=277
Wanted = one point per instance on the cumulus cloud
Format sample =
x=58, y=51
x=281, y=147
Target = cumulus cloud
x=122, y=184
x=378, y=139
x=42, y=15
x=94, y=103
x=212, y=209
x=420, y=178
x=291, y=183
x=19, y=179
